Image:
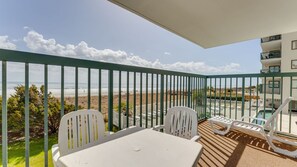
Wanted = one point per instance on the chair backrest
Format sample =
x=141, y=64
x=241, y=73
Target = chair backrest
x=269, y=123
x=79, y=130
x=182, y=122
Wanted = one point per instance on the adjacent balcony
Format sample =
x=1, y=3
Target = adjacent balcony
x=270, y=55
x=271, y=38
x=271, y=70
x=134, y=96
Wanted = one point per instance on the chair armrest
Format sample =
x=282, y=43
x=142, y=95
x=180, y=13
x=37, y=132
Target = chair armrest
x=55, y=154
x=158, y=127
x=196, y=138
x=260, y=119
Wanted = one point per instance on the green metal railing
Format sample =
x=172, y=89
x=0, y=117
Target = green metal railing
x=247, y=94
x=232, y=96
x=167, y=88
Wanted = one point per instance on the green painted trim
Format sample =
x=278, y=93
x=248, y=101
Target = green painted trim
x=36, y=58
x=46, y=115
x=89, y=88
x=120, y=100
x=110, y=100
x=76, y=88
x=162, y=100
x=189, y=91
x=4, y=114
x=127, y=100
x=27, y=112
x=62, y=90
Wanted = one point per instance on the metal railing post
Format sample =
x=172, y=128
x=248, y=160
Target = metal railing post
x=110, y=100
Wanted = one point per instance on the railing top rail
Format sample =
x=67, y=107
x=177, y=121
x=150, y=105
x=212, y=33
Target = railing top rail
x=287, y=74
x=36, y=58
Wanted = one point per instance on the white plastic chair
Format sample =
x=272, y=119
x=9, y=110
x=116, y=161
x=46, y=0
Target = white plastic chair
x=265, y=131
x=78, y=130
x=182, y=122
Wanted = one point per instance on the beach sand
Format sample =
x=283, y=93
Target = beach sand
x=83, y=100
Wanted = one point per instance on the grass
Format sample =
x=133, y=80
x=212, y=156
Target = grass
x=16, y=152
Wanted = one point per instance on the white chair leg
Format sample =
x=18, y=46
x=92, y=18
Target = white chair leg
x=270, y=138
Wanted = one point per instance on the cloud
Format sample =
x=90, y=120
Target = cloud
x=6, y=44
x=37, y=43
x=167, y=53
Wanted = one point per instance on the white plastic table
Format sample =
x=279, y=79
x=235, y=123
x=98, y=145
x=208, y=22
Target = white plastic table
x=143, y=148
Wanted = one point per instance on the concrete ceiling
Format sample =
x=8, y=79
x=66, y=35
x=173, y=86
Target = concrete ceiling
x=211, y=23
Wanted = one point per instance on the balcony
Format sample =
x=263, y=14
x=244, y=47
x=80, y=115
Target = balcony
x=129, y=95
x=270, y=55
x=271, y=38
x=265, y=71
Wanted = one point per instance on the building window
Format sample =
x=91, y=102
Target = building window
x=275, y=85
x=294, y=64
x=274, y=68
x=294, y=45
x=294, y=83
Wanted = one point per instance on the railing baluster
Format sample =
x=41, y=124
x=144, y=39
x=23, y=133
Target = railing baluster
x=205, y=97
x=140, y=100
x=27, y=112
x=110, y=100
x=166, y=93
x=257, y=87
x=174, y=90
x=189, y=92
x=134, y=99
x=162, y=100
x=46, y=115
x=281, y=94
x=180, y=89
x=99, y=90
x=76, y=88
x=236, y=98
x=242, y=95
x=225, y=98
x=177, y=86
x=215, y=99
x=127, y=101
x=4, y=114
x=272, y=96
x=62, y=90
x=250, y=102
x=183, y=87
x=120, y=100
x=170, y=91
x=152, y=99
x=197, y=94
x=290, y=117
x=89, y=88
x=157, y=97
x=230, y=100
x=198, y=91
x=146, y=100
x=210, y=96
x=220, y=96
x=264, y=97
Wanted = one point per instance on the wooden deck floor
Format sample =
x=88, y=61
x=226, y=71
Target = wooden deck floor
x=238, y=149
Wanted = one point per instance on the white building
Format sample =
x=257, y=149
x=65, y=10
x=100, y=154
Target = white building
x=279, y=54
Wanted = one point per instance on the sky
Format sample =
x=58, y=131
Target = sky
x=101, y=31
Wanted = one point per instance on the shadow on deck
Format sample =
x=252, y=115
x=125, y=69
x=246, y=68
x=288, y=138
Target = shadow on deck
x=238, y=149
